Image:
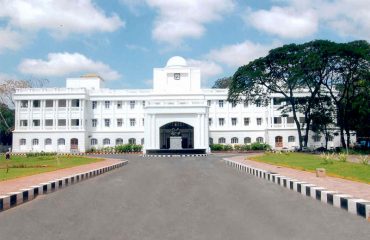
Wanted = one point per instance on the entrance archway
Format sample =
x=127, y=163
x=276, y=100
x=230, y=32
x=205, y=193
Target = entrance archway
x=278, y=141
x=186, y=132
x=74, y=143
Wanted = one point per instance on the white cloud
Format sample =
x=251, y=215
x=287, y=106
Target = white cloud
x=60, y=16
x=208, y=68
x=241, y=53
x=180, y=19
x=62, y=64
x=302, y=18
x=286, y=22
x=10, y=39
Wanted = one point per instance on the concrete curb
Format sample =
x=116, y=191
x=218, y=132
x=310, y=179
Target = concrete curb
x=175, y=155
x=24, y=195
x=359, y=207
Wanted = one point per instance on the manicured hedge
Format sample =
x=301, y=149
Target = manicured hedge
x=240, y=147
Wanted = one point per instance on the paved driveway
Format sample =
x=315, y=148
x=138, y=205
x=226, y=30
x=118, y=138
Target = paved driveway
x=178, y=198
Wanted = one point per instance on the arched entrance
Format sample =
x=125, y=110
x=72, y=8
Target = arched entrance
x=74, y=144
x=183, y=130
x=278, y=141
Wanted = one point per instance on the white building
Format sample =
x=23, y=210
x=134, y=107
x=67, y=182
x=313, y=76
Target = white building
x=85, y=115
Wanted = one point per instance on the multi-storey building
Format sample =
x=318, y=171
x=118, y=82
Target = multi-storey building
x=84, y=115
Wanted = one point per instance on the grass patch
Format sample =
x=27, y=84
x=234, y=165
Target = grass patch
x=20, y=166
x=309, y=162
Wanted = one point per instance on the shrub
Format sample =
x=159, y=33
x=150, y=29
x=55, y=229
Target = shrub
x=260, y=146
x=328, y=158
x=245, y=147
x=216, y=147
x=364, y=159
x=128, y=148
x=228, y=147
x=238, y=147
x=39, y=154
x=342, y=157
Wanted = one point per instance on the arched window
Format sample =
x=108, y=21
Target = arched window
x=210, y=141
x=94, y=141
x=119, y=141
x=48, y=141
x=221, y=140
x=106, y=141
x=132, y=141
x=35, y=141
x=291, y=139
x=330, y=138
x=142, y=141
x=22, y=141
x=260, y=139
x=247, y=140
x=61, y=141
x=234, y=140
x=316, y=138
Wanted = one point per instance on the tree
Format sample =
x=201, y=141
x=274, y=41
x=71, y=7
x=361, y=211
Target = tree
x=222, y=82
x=348, y=83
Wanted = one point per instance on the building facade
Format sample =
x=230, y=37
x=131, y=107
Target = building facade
x=84, y=115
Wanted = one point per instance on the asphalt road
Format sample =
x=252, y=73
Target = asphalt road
x=178, y=198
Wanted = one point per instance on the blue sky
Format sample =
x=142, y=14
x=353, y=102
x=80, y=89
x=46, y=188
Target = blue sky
x=123, y=40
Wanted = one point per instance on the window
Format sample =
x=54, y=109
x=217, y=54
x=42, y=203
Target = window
x=330, y=138
x=247, y=140
x=107, y=122
x=132, y=104
x=246, y=104
x=209, y=103
x=221, y=103
x=210, y=141
x=233, y=121
x=316, y=138
x=62, y=103
x=48, y=141
x=278, y=101
x=143, y=121
x=301, y=120
x=132, y=122
x=258, y=103
x=234, y=140
x=36, y=103
x=61, y=141
x=233, y=104
x=290, y=120
x=143, y=103
x=221, y=140
x=107, y=104
x=62, y=122
x=48, y=122
x=260, y=139
x=119, y=104
x=94, y=141
x=75, y=122
x=36, y=123
x=75, y=102
x=49, y=103
x=291, y=139
x=94, y=104
x=22, y=142
x=106, y=141
x=24, y=104
x=277, y=120
x=259, y=121
x=35, y=141
x=94, y=122
x=221, y=121
x=119, y=141
x=246, y=121
x=132, y=141
x=210, y=121
x=142, y=141
x=119, y=122
x=23, y=123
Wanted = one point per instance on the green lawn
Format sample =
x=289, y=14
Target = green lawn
x=309, y=162
x=20, y=166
